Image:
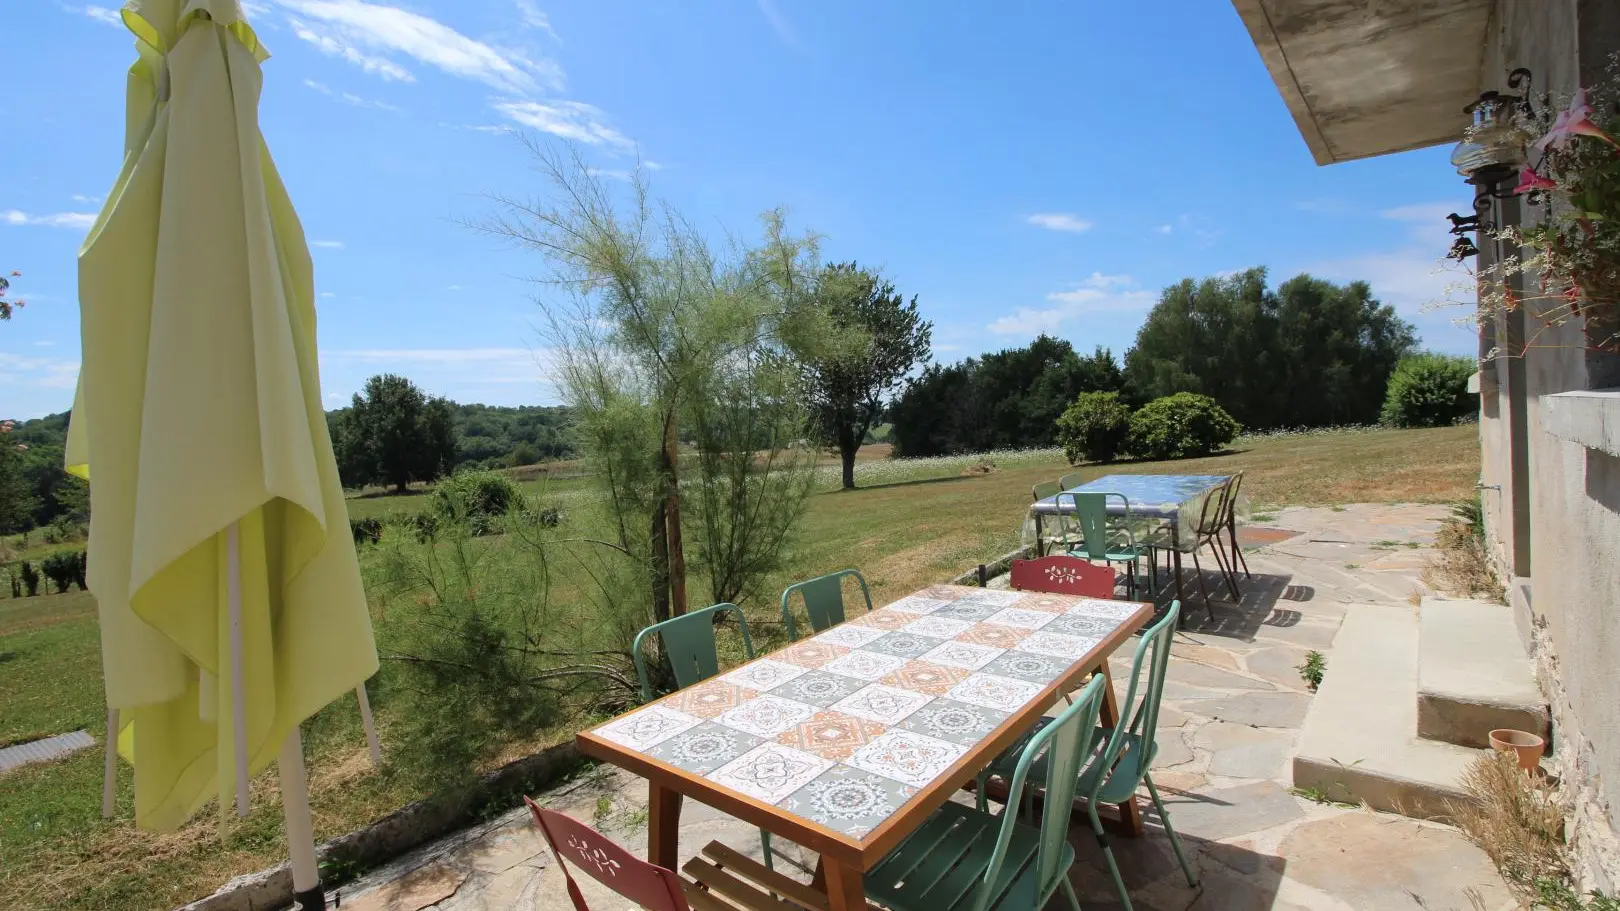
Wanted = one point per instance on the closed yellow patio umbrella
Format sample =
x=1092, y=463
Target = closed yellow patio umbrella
x=230, y=600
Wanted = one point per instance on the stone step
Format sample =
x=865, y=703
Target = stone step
x=1473, y=674
x=1359, y=742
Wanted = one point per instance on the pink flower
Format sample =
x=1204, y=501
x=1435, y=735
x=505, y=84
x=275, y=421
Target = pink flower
x=1529, y=180
x=1575, y=121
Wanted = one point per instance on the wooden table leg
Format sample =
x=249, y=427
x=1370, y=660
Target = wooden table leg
x=663, y=826
x=1130, y=815
x=818, y=880
x=845, y=891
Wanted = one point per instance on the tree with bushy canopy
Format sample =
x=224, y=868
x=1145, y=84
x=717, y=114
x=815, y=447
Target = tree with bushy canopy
x=871, y=341
x=1095, y=427
x=394, y=434
x=1004, y=400
x=1429, y=390
x=1181, y=426
x=1309, y=353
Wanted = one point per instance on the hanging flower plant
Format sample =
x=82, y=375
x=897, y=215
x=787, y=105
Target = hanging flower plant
x=1575, y=250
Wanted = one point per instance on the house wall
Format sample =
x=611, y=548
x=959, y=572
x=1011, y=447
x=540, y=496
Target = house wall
x=1569, y=607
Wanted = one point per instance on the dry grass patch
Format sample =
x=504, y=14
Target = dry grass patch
x=1515, y=819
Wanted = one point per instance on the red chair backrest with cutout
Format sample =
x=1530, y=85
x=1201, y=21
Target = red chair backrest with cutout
x=648, y=885
x=1063, y=575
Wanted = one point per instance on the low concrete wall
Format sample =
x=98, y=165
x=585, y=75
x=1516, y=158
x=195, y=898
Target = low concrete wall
x=406, y=828
x=1001, y=565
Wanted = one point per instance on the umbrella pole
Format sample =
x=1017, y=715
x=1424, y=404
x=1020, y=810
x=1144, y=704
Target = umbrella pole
x=307, y=892
x=233, y=571
x=109, y=784
x=371, y=727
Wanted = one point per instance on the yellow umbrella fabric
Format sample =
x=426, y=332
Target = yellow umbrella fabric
x=199, y=408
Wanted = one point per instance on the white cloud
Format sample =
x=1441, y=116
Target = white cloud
x=1059, y=221
x=350, y=97
x=360, y=32
x=37, y=372
x=535, y=19
x=1164, y=229
x=609, y=173
x=1426, y=214
x=327, y=244
x=104, y=15
x=571, y=120
x=334, y=396
x=79, y=220
x=43, y=343
x=1099, y=293
x=453, y=288
x=327, y=294
x=654, y=165
x=87, y=200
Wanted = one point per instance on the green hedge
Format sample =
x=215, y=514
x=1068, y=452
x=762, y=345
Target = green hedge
x=1094, y=428
x=1181, y=426
x=1429, y=390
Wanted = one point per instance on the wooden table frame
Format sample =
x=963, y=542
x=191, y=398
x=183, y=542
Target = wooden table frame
x=845, y=860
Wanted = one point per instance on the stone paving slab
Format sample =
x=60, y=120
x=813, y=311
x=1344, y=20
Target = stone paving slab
x=1231, y=714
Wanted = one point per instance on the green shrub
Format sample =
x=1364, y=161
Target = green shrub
x=366, y=531
x=1429, y=390
x=30, y=578
x=63, y=568
x=478, y=498
x=1094, y=428
x=1180, y=426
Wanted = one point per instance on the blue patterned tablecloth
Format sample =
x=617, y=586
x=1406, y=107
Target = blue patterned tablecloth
x=1155, y=501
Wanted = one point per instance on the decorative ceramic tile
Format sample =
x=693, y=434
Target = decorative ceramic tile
x=709, y=698
x=770, y=771
x=1051, y=604
x=925, y=677
x=999, y=598
x=1113, y=610
x=993, y=635
x=958, y=722
x=818, y=688
x=1057, y=645
x=1021, y=618
x=943, y=592
x=883, y=704
x=1073, y=624
x=994, y=692
x=914, y=604
x=864, y=665
x=963, y=654
x=849, y=800
x=831, y=735
x=940, y=627
x=763, y=674
x=1026, y=666
x=907, y=757
x=902, y=643
x=883, y=619
x=847, y=636
x=811, y=653
x=966, y=610
x=704, y=748
x=766, y=716
x=648, y=726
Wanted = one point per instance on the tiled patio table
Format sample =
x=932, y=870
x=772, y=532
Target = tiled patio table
x=845, y=742
x=1173, y=500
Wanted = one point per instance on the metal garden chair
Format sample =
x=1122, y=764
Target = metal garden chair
x=1121, y=766
x=1212, y=521
x=823, y=600
x=720, y=870
x=966, y=859
x=1071, y=480
x=689, y=646
x=1065, y=537
x=1099, y=542
x=1064, y=575
x=1235, y=487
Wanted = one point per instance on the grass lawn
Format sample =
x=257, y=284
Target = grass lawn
x=911, y=523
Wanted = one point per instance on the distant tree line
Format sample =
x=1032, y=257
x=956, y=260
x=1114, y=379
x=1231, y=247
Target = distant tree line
x=1309, y=353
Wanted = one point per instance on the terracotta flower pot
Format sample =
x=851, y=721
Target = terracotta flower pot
x=1529, y=747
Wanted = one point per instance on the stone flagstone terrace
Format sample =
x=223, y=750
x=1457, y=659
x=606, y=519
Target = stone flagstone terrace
x=1234, y=703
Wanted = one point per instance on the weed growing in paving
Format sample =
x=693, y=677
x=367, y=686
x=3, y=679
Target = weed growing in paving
x=1312, y=670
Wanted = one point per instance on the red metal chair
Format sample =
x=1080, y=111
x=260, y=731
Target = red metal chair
x=1063, y=575
x=745, y=883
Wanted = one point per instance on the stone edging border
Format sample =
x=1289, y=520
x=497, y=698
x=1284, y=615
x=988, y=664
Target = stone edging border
x=1002, y=564
x=407, y=827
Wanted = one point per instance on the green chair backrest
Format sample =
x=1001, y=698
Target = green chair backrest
x=1045, y=489
x=1072, y=479
x=1090, y=512
x=1152, y=653
x=823, y=600
x=1067, y=744
x=689, y=645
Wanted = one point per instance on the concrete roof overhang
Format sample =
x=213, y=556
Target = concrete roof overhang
x=1370, y=77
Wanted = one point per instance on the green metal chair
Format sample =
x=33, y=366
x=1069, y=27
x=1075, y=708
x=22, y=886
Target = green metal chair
x=690, y=647
x=1071, y=480
x=1065, y=538
x=823, y=600
x=1100, y=542
x=1114, y=773
x=964, y=859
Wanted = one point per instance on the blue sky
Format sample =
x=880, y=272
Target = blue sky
x=1020, y=167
